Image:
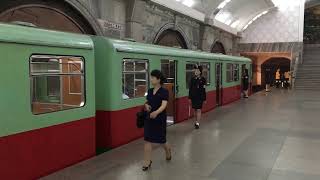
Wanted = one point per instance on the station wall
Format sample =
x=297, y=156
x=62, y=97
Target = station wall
x=141, y=20
x=280, y=31
x=144, y=20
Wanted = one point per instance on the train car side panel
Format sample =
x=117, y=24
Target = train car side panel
x=116, y=113
x=36, y=145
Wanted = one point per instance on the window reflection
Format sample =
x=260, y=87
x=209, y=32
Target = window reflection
x=134, y=78
x=57, y=83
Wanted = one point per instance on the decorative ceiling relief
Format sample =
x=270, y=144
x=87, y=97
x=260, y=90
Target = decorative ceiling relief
x=283, y=24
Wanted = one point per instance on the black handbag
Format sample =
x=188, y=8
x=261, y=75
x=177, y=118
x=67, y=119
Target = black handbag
x=141, y=117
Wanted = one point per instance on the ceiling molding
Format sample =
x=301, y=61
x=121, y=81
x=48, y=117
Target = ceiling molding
x=180, y=8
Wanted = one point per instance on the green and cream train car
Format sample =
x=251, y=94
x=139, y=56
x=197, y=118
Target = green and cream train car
x=47, y=104
x=122, y=80
x=64, y=96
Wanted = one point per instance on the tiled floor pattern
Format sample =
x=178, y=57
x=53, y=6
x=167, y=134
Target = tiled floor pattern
x=273, y=136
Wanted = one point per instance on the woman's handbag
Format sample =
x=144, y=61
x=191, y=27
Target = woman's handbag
x=141, y=117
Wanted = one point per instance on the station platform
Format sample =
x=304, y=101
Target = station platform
x=274, y=136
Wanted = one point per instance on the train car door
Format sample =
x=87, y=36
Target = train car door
x=168, y=68
x=219, y=84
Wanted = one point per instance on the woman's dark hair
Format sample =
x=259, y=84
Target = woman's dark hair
x=198, y=67
x=158, y=74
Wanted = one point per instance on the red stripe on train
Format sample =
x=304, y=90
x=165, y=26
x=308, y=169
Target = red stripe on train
x=119, y=127
x=36, y=153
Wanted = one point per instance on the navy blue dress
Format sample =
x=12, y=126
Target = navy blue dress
x=155, y=130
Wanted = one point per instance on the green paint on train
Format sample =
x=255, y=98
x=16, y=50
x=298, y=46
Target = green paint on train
x=110, y=54
x=17, y=45
x=102, y=73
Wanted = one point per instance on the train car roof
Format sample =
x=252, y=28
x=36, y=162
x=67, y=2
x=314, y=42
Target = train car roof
x=36, y=36
x=141, y=48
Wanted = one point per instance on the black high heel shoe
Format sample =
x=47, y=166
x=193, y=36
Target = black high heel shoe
x=146, y=168
x=170, y=157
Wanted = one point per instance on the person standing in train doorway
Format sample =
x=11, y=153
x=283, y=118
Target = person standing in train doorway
x=197, y=93
x=245, y=83
x=155, y=126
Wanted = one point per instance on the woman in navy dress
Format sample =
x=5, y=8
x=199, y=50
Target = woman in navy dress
x=155, y=127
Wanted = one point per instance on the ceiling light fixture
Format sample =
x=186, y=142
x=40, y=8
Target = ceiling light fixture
x=188, y=3
x=283, y=5
x=228, y=22
x=235, y=23
x=223, y=4
x=224, y=17
x=255, y=18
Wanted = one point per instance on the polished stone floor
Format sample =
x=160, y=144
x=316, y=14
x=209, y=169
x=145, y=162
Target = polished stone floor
x=273, y=136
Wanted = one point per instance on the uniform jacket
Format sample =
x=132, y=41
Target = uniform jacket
x=197, y=89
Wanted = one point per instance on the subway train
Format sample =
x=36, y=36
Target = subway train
x=64, y=97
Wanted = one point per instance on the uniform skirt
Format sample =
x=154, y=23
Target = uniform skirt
x=155, y=130
x=245, y=87
x=197, y=104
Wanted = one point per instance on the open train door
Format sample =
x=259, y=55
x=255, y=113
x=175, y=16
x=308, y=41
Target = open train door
x=168, y=68
x=219, y=88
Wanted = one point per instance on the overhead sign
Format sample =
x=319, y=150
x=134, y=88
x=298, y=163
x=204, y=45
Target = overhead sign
x=111, y=28
x=111, y=25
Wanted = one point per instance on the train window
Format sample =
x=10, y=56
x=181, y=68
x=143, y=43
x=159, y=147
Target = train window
x=189, y=72
x=206, y=71
x=134, y=78
x=236, y=72
x=168, y=69
x=57, y=83
x=232, y=72
x=229, y=72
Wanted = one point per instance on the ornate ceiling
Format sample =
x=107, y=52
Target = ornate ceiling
x=235, y=13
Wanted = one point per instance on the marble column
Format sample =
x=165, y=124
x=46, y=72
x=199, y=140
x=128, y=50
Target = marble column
x=135, y=11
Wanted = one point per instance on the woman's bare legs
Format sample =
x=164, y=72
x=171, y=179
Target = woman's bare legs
x=198, y=118
x=147, y=153
x=198, y=115
x=246, y=94
x=167, y=149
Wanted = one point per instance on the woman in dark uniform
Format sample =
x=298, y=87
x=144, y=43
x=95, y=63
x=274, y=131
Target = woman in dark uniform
x=278, y=76
x=245, y=83
x=155, y=127
x=197, y=93
x=268, y=79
